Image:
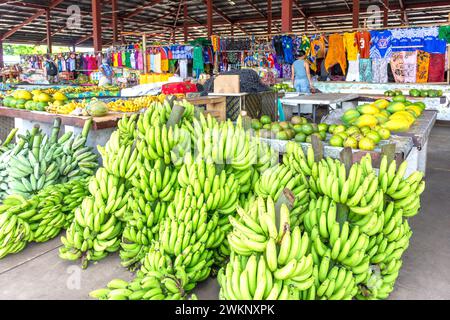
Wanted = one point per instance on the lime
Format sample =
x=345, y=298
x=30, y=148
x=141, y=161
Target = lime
x=351, y=142
x=366, y=144
x=336, y=141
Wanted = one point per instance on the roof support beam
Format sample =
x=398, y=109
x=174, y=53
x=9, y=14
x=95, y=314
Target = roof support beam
x=385, y=13
x=355, y=13
x=269, y=17
x=49, y=30
x=286, y=16
x=185, y=17
x=114, y=21
x=403, y=11
x=1, y=54
x=36, y=15
x=209, y=17
x=97, y=25
x=307, y=18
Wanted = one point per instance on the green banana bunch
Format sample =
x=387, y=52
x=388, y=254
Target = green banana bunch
x=119, y=160
x=217, y=190
x=156, y=114
x=154, y=286
x=333, y=282
x=97, y=226
x=142, y=226
x=404, y=192
x=127, y=129
x=74, y=192
x=157, y=181
x=15, y=233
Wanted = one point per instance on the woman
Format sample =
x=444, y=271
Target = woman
x=301, y=76
x=107, y=73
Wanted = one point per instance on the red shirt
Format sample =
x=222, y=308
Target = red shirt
x=363, y=39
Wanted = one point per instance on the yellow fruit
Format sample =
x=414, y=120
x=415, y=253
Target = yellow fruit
x=381, y=103
x=403, y=115
x=415, y=109
x=44, y=97
x=398, y=125
x=366, y=144
x=368, y=109
x=59, y=96
x=23, y=94
x=366, y=120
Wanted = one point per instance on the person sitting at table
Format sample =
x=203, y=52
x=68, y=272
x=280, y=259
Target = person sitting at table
x=301, y=76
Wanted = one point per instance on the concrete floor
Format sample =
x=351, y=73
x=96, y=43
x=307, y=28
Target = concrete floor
x=38, y=272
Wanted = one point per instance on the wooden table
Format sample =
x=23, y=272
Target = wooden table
x=101, y=130
x=311, y=101
x=215, y=105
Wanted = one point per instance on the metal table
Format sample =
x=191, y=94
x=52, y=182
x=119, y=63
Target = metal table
x=328, y=99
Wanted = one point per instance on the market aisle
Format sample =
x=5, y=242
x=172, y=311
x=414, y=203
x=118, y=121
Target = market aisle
x=38, y=272
x=424, y=274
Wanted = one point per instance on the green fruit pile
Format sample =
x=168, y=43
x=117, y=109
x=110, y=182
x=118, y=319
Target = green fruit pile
x=415, y=93
x=40, y=218
x=38, y=160
x=354, y=234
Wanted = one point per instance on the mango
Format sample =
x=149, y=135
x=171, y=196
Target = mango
x=366, y=120
x=367, y=109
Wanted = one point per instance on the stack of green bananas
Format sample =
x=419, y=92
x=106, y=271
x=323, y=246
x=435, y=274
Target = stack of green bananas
x=141, y=227
x=157, y=181
x=267, y=262
x=74, y=192
x=5, y=155
x=127, y=129
x=119, y=160
x=15, y=233
x=97, y=226
x=154, y=286
x=218, y=191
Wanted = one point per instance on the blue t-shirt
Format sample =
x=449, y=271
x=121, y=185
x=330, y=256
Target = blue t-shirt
x=416, y=43
x=381, y=44
x=299, y=69
x=432, y=44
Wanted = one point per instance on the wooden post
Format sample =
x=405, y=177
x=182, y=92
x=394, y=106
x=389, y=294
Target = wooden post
x=355, y=13
x=232, y=30
x=2, y=64
x=185, y=17
x=385, y=13
x=269, y=17
x=448, y=60
x=97, y=25
x=114, y=21
x=209, y=17
x=286, y=16
x=49, y=31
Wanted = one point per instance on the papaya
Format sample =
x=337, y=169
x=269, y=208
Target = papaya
x=366, y=120
x=350, y=116
x=97, y=108
x=381, y=103
x=403, y=115
x=367, y=109
x=420, y=104
x=385, y=113
x=395, y=106
x=416, y=109
x=381, y=118
x=397, y=125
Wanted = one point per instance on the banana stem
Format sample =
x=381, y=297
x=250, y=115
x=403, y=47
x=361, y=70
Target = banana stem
x=87, y=127
x=10, y=136
x=55, y=130
x=36, y=145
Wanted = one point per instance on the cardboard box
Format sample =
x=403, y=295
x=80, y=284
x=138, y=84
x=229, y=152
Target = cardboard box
x=227, y=84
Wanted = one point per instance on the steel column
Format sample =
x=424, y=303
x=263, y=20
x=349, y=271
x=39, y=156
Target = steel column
x=114, y=21
x=269, y=17
x=232, y=30
x=185, y=17
x=355, y=13
x=286, y=16
x=209, y=17
x=97, y=25
x=49, y=31
x=306, y=24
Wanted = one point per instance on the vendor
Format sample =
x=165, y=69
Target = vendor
x=50, y=69
x=301, y=76
x=107, y=74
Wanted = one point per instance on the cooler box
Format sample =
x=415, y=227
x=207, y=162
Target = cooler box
x=178, y=87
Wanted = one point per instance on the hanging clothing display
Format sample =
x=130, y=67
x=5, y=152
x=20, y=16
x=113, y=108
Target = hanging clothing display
x=423, y=64
x=444, y=33
x=436, y=68
x=198, y=63
x=397, y=61
x=381, y=44
x=380, y=70
x=336, y=52
x=183, y=65
x=363, y=41
x=318, y=47
x=365, y=70
x=410, y=66
x=350, y=46
x=353, y=71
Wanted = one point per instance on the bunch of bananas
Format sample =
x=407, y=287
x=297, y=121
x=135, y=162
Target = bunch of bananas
x=66, y=108
x=154, y=286
x=74, y=192
x=97, y=227
x=15, y=233
x=127, y=129
x=141, y=227
x=135, y=104
x=267, y=262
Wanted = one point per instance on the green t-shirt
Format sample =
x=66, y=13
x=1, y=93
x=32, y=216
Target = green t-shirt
x=444, y=33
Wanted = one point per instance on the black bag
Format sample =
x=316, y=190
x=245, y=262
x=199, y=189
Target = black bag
x=51, y=69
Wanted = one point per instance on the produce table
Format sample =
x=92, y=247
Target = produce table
x=306, y=101
x=26, y=119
